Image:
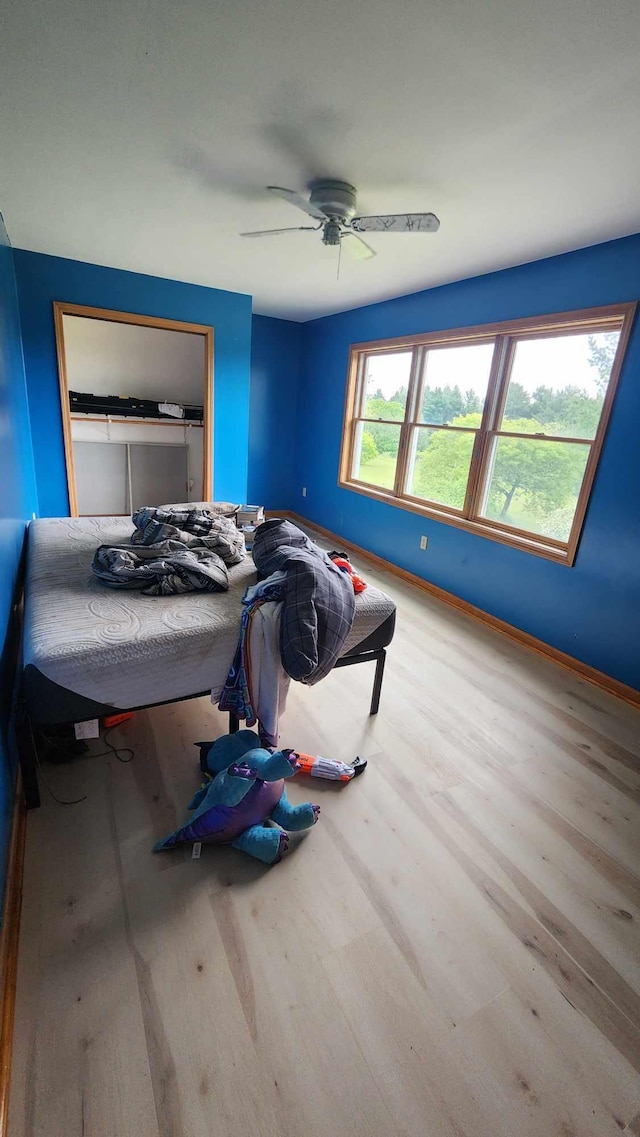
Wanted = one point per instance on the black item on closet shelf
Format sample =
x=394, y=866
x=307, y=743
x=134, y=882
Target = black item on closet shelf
x=114, y=405
x=193, y=413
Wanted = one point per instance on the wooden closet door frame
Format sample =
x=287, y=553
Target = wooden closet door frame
x=61, y=309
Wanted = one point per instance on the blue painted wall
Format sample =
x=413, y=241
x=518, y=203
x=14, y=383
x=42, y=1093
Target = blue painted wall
x=285, y=393
x=275, y=372
x=591, y=611
x=17, y=500
x=42, y=279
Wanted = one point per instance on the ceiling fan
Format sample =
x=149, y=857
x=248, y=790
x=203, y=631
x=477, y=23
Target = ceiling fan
x=333, y=205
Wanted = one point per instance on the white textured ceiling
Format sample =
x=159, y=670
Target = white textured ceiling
x=140, y=134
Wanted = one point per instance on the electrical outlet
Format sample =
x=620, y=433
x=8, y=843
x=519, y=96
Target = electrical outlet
x=423, y=542
x=304, y=491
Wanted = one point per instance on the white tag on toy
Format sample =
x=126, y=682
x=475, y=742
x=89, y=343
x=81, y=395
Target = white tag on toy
x=90, y=729
x=195, y=852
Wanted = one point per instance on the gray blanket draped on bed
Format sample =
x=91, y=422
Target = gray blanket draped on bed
x=318, y=604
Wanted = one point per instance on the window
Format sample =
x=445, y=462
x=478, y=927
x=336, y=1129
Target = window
x=497, y=429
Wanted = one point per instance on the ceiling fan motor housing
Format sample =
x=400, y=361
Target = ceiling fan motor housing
x=336, y=199
x=331, y=233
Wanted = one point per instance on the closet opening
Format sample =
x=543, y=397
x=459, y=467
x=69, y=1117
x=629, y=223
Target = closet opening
x=136, y=395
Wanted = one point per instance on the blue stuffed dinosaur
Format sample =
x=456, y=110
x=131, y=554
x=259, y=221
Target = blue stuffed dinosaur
x=245, y=791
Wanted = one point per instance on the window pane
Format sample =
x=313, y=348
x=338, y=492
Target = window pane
x=557, y=385
x=375, y=454
x=439, y=465
x=534, y=484
x=455, y=384
x=386, y=379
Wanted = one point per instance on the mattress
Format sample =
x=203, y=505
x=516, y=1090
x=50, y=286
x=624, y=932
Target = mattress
x=89, y=648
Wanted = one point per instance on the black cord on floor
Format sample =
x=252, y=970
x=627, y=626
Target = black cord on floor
x=60, y=800
x=117, y=751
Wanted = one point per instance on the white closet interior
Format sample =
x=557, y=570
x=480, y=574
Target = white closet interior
x=121, y=461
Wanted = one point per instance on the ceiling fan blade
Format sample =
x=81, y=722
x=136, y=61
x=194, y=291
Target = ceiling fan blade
x=273, y=232
x=297, y=199
x=397, y=223
x=358, y=248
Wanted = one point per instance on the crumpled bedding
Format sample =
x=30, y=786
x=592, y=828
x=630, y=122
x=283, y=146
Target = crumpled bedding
x=191, y=527
x=161, y=570
x=172, y=551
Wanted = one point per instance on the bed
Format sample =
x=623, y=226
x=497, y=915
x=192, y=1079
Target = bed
x=91, y=651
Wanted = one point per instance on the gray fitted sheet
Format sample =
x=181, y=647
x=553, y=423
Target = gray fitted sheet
x=122, y=649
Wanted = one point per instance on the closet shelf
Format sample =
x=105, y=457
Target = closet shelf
x=124, y=419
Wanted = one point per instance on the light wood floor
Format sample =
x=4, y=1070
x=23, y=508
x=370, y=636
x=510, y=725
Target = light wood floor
x=451, y=952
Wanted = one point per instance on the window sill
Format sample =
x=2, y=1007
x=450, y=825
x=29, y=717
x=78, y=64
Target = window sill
x=564, y=555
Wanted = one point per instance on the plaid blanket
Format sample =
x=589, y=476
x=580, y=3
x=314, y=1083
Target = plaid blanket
x=161, y=570
x=319, y=602
x=192, y=528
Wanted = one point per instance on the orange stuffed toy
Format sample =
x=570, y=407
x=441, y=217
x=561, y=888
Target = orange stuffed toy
x=343, y=562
